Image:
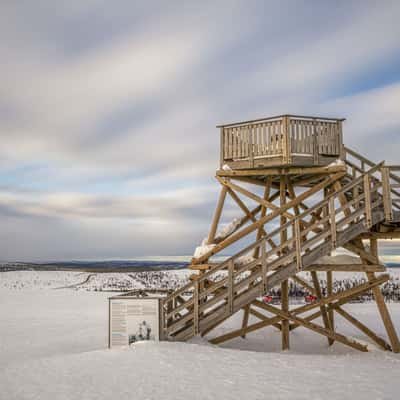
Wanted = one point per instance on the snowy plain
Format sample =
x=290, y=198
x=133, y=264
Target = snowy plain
x=53, y=345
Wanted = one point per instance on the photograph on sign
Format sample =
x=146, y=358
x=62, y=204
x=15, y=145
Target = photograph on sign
x=132, y=320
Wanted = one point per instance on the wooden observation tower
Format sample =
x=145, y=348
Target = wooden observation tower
x=300, y=194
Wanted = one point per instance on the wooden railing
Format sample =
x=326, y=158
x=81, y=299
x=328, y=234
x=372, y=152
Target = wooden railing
x=282, y=137
x=232, y=284
x=358, y=164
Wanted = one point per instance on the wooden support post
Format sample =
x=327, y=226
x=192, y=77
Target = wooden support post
x=196, y=308
x=297, y=238
x=282, y=197
x=332, y=220
x=264, y=269
x=285, y=309
x=382, y=307
x=329, y=292
x=261, y=231
x=285, y=283
x=217, y=214
x=324, y=313
x=231, y=267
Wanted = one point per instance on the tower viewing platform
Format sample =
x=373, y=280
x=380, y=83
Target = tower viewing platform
x=299, y=195
x=284, y=140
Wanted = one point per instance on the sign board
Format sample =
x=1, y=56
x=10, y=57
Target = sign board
x=133, y=319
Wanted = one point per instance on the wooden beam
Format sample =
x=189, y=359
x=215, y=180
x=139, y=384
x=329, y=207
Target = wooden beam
x=248, y=329
x=303, y=283
x=380, y=302
x=261, y=230
x=283, y=171
x=363, y=328
x=381, y=235
x=285, y=309
x=263, y=317
x=243, y=206
x=362, y=253
x=262, y=221
x=385, y=315
x=245, y=321
x=346, y=267
x=329, y=292
x=319, y=329
x=324, y=313
x=251, y=195
x=217, y=214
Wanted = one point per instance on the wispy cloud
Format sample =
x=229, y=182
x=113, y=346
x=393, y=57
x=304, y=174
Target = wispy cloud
x=107, y=112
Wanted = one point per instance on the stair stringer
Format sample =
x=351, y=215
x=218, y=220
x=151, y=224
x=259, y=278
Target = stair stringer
x=246, y=298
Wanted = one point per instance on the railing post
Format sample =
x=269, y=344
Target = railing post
x=332, y=220
x=251, y=150
x=196, y=307
x=222, y=149
x=264, y=264
x=230, y=286
x=368, y=207
x=386, y=193
x=286, y=140
x=341, y=146
x=315, y=142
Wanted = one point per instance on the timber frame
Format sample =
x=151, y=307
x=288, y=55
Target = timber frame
x=292, y=213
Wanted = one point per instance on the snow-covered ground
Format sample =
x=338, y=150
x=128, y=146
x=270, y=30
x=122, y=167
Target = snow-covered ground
x=53, y=346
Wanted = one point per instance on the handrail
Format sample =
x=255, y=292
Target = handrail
x=253, y=121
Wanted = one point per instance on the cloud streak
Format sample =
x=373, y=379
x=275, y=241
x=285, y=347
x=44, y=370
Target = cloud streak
x=107, y=112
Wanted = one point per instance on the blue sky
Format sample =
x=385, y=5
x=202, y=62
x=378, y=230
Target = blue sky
x=108, y=109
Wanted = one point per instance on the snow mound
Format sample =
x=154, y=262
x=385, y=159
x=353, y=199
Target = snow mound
x=227, y=229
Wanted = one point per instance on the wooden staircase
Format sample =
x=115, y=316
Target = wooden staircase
x=361, y=199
